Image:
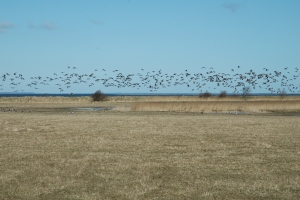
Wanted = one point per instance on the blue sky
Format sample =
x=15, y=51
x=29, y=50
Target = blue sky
x=40, y=38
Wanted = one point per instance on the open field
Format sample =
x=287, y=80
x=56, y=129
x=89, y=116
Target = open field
x=49, y=150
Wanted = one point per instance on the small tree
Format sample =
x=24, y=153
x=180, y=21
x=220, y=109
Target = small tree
x=98, y=96
x=223, y=94
x=205, y=94
x=246, y=92
x=282, y=93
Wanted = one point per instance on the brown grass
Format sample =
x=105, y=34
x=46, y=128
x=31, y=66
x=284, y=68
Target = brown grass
x=169, y=103
x=26, y=100
x=48, y=152
x=197, y=99
x=218, y=106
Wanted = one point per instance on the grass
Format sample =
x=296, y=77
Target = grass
x=218, y=106
x=49, y=153
x=48, y=99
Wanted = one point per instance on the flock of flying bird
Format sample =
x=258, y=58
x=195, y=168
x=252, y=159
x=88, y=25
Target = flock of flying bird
x=272, y=81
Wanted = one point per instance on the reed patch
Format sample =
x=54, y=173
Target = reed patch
x=218, y=106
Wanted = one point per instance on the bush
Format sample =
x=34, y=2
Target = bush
x=282, y=93
x=98, y=96
x=246, y=92
x=223, y=94
x=205, y=95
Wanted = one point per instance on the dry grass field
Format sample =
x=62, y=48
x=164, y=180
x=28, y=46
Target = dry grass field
x=49, y=150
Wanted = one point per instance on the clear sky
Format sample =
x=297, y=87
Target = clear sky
x=43, y=38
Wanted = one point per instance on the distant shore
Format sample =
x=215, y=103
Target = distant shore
x=12, y=94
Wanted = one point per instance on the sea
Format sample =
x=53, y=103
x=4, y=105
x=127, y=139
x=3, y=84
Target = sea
x=19, y=94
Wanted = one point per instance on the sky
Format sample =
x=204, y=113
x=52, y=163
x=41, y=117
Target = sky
x=44, y=38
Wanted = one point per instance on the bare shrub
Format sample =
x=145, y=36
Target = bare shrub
x=205, y=95
x=98, y=96
x=223, y=94
x=282, y=93
x=246, y=92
